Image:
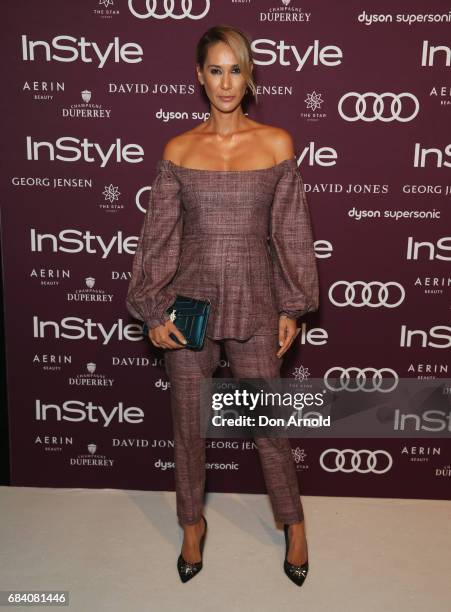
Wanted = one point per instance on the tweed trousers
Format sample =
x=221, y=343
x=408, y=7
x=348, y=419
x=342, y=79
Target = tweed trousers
x=251, y=358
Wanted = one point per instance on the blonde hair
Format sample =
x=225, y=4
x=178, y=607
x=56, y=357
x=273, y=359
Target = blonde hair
x=240, y=44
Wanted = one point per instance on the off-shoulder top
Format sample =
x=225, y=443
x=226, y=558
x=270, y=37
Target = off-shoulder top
x=240, y=238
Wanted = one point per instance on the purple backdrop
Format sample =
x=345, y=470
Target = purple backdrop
x=92, y=91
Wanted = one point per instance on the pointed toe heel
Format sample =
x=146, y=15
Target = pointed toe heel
x=296, y=573
x=188, y=570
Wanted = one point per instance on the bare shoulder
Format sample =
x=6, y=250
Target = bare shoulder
x=277, y=141
x=281, y=143
x=177, y=146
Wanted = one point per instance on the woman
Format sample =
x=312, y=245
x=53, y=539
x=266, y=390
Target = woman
x=220, y=189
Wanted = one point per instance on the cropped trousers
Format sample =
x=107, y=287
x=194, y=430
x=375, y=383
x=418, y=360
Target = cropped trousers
x=251, y=358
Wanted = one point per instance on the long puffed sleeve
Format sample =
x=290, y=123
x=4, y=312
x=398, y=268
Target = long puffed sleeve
x=291, y=246
x=158, y=251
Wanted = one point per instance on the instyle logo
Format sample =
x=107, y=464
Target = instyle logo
x=429, y=420
x=79, y=49
x=175, y=9
x=425, y=250
x=401, y=107
x=329, y=55
x=82, y=241
x=76, y=328
x=90, y=152
x=77, y=412
x=422, y=337
x=435, y=155
x=429, y=53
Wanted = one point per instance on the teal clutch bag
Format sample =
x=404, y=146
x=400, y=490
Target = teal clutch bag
x=190, y=316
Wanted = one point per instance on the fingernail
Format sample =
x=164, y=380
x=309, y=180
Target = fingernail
x=280, y=343
x=184, y=341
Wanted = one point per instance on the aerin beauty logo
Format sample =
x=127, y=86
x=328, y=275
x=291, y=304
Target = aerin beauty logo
x=313, y=103
x=105, y=9
x=43, y=90
x=52, y=362
x=111, y=195
x=90, y=378
x=420, y=454
x=433, y=285
x=442, y=93
x=285, y=11
x=51, y=443
x=90, y=294
x=428, y=371
x=86, y=109
x=50, y=277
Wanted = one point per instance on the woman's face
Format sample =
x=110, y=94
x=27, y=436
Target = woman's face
x=224, y=84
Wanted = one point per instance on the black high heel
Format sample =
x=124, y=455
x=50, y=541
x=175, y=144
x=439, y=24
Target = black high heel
x=296, y=573
x=189, y=570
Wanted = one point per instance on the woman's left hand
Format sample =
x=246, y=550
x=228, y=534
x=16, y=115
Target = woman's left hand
x=287, y=333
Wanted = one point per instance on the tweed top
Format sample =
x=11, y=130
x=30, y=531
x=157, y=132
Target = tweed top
x=241, y=238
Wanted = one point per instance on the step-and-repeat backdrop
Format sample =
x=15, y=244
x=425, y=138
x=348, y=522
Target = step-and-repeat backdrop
x=92, y=90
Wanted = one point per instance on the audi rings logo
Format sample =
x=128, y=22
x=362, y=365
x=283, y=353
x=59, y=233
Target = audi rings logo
x=168, y=9
x=361, y=378
x=362, y=461
x=396, y=104
x=396, y=294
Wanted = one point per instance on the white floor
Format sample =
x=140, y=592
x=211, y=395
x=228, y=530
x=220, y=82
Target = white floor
x=117, y=550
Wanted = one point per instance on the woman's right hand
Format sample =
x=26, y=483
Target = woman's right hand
x=159, y=336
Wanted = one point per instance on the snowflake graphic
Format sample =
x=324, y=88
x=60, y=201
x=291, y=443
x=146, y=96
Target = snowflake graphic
x=301, y=373
x=299, y=454
x=106, y=3
x=111, y=193
x=314, y=100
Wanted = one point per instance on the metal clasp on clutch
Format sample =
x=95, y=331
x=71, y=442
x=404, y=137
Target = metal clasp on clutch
x=173, y=315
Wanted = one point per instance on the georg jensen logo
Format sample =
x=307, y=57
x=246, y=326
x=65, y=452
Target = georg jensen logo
x=149, y=8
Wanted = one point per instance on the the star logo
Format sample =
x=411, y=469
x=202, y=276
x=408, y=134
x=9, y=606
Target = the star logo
x=111, y=193
x=314, y=100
